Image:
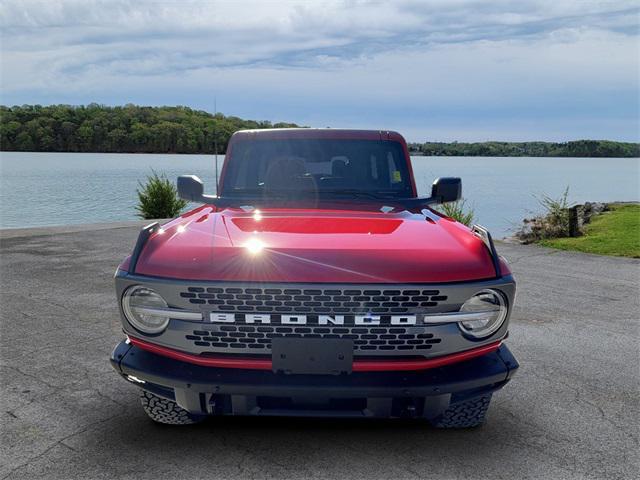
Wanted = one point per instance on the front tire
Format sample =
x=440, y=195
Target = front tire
x=468, y=414
x=165, y=411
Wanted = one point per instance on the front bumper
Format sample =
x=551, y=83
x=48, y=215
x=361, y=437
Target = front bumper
x=223, y=391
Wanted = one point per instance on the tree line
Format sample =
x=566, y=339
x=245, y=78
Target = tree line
x=578, y=148
x=127, y=129
x=137, y=129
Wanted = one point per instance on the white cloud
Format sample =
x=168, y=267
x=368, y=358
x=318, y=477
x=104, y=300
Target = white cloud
x=400, y=62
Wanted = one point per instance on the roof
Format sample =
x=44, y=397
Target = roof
x=286, y=133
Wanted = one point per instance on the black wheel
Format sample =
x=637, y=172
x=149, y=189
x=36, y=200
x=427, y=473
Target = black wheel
x=465, y=414
x=166, y=411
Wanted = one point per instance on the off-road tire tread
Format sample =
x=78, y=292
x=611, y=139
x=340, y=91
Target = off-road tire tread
x=464, y=415
x=166, y=411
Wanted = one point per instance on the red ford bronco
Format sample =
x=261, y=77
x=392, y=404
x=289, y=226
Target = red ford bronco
x=316, y=283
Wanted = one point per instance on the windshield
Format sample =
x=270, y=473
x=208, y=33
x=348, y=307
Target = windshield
x=331, y=168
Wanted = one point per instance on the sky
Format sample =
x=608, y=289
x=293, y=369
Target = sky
x=434, y=70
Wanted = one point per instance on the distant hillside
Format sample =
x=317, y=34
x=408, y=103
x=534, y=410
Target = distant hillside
x=134, y=129
x=578, y=148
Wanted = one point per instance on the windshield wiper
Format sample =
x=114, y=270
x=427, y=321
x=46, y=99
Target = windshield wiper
x=292, y=194
x=257, y=194
x=360, y=193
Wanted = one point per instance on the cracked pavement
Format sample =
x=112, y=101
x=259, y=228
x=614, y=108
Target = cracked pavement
x=571, y=411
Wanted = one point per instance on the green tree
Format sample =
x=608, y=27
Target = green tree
x=132, y=128
x=117, y=139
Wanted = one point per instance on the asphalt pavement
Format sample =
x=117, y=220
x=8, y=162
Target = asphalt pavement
x=572, y=411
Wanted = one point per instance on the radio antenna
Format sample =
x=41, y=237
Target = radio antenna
x=215, y=139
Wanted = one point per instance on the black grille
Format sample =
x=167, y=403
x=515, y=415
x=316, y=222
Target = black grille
x=257, y=338
x=293, y=300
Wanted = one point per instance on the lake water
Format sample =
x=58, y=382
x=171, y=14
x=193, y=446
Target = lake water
x=38, y=189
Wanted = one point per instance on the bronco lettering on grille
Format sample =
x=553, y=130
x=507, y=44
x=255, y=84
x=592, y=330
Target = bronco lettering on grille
x=216, y=317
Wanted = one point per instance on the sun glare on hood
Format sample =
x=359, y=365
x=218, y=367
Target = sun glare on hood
x=254, y=246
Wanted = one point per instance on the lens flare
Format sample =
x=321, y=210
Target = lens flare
x=254, y=246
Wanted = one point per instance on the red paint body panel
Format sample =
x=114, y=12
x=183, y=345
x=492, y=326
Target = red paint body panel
x=358, y=365
x=315, y=246
x=504, y=267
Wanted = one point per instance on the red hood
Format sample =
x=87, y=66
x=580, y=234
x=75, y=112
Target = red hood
x=315, y=246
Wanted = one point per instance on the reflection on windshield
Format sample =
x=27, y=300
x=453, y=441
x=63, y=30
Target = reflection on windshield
x=327, y=168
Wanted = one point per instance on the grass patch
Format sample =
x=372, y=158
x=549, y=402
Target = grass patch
x=615, y=232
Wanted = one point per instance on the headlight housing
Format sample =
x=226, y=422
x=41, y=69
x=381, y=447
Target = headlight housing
x=491, y=309
x=140, y=305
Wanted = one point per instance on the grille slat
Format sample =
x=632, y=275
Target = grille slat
x=237, y=337
x=347, y=301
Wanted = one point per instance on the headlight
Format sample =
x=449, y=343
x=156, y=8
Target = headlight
x=490, y=310
x=140, y=305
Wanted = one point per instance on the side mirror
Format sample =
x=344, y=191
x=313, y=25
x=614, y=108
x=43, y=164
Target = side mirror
x=446, y=189
x=190, y=188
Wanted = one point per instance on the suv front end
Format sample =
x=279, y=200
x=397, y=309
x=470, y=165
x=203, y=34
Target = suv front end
x=317, y=284
x=418, y=350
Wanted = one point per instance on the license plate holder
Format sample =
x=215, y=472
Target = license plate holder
x=313, y=356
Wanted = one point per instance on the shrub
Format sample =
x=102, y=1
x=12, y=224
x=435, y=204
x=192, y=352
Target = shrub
x=158, y=198
x=458, y=211
x=556, y=215
x=552, y=223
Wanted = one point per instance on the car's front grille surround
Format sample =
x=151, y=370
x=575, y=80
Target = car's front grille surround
x=366, y=339
x=448, y=297
x=346, y=301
